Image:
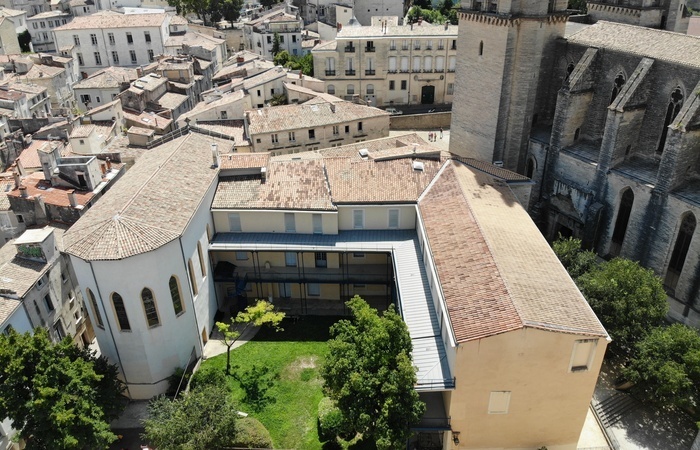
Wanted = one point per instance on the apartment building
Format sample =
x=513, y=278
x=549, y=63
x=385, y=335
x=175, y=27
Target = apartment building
x=386, y=64
x=17, y=17
x=108, y=39
x=9, y=44
x=259, y=34
x=318, y=123
x=103, y=86
x=41, y=27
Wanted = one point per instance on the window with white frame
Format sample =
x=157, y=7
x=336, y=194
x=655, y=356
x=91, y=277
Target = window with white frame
x=499, y=401
x=234, y=222
x=393, y=217
x=273, y=136
x=93, y=39
x=290, y=223
x=132, y=53
x=110, y=37
x=582, y=355
x=317, y=223
x=358, y=219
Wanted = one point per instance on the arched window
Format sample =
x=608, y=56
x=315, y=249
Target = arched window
x=674, y=107
x=120, y=312
x=577, y=133
x=149, y=307
x=93, y=302
x=193, y=281
x=617, y=86
x=481, y=48
x=569, y=70
x=530, y=168
x=174, y=286
x=680, y=250
x=202, y=267
x=331, y=89
x=623, y=217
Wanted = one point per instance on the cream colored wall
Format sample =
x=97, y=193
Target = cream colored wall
x=273, y=221
x=9, y=44
x=548, y=403
x=377, y=217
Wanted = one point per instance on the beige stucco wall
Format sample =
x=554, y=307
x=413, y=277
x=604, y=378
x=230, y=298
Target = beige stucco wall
x=9, y=45
x=548, y=402
x=273, y=221
x=377, y=217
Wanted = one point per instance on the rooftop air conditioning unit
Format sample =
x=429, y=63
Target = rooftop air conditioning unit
x=364, y=153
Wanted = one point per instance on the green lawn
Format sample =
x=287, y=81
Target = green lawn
x=294, y=356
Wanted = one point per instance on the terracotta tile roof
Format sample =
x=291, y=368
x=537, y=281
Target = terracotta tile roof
x=201, y=107
x=194, y=39
x=111, y=77
x=147, y=119
x=657, y=44
x=41, y=70
x=305, y=115
x=375, y=146
x=288, y=185
x=58, y=195
x=178, y=20
x=365, y=181
x=328, y=46
x=136, y=215
x=398, y=31
x=264, y=77
x=490, y=169
x=481, y=239
x=110, y=19
x=244, y=160
x=171, y=100
x=29, y=158
x=232, y=128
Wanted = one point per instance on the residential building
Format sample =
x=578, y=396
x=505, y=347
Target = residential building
x=363, y=11
x=672, y=15
x=82, y=7
x=37, y=97
x=108, y=39
x=31, y=7
x=227, y=106
x=496, y=323
x=58, y=84
x=259, y=34
x=9, y=44
x=41, y=27
x=103, y=86
x=387, y=64
x=16, y=16
x=13, y=103
x=263, y=86
x=601, y=118
x=241, y=65
x=198, y=45
x=318, y=123
x=92, y=138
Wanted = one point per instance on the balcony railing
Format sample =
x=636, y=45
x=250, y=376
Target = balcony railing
x=330, y=73
x=370, y=72
x=350, y=72
x=370, y=49
x=392, y=48
x=441, y=47
x=349, y=49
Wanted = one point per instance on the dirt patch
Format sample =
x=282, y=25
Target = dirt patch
x=303, y=364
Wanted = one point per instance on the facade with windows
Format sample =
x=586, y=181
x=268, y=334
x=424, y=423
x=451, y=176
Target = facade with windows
x=41, y=28
x=383, y=219
x=259, y=35
x=386, y=64
x=108, y=39
x=317, y=124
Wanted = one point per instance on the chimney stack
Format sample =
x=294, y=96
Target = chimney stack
x=108, y=162
x=23, y=192
x=71, y=199
x=214, y=155
x=263, y=175
x=240, y=59
x=15, y=174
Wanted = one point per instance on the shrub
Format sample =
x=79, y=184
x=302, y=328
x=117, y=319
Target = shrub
x=250, y=433
x=331, y=422
x=208, y=376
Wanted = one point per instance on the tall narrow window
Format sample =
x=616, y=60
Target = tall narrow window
x=623, y=217
x=95, y=309
x=193, y=281
x=48, y=303
x=674, y=107
x=202, y=267
x=110, y=36
x=149, y=307
x=321, y=259
x=234, y=222
x=358, y=219
x=289, y=223
x=129, y=38
x=317, y=223
x=680, y=250
x=617, y=86
x=393, y=218
x=290, y=259
x=481, y=48
x=530, y=168
x=174, y=286
x=120, y=311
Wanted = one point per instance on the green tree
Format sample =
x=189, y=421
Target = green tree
x=24, y=38
x=202, y=418
x=275, y=44
x=281, y=58
x=267, y=4
x=666, y=366
x=576, y=260
x=57, y=396
x=262, y=313
x=579, y=5
x=627, y=298
x=368, y=372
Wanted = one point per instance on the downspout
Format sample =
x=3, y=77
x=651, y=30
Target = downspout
x=111, y=333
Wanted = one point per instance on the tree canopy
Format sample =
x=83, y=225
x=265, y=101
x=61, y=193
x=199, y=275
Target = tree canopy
x=205, y=417
x=666, y=366
x=210, y=11
x=57, y=396
x=369, y=373
x=304, y=63
x=576, y=260
x=627, y=298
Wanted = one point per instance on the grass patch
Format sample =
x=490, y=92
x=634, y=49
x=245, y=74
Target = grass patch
x=294, y=357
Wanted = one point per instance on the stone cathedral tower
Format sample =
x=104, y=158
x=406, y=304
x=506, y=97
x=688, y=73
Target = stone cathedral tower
x=506, y=50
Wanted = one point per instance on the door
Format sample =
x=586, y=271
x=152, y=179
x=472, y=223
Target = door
x=427, y=95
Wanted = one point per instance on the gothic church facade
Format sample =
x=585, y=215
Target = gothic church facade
x=605, y=120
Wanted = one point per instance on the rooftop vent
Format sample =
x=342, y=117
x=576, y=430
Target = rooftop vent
x=364, y=153
x=417, y=165
x=263, y=174
x=498, y=163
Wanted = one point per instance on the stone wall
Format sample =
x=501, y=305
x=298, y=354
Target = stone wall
x=430, y=121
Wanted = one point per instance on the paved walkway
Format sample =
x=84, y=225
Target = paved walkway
x=215, y=345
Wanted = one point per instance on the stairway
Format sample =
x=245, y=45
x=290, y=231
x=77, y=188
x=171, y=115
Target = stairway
x=614, y=408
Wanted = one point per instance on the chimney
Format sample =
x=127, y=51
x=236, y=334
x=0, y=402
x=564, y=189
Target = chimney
x=23, y=192
x=139, y=71
x=214, y=155
x=15, y=174
x=71, y=198
x=103, y=168
x=240, y=59
x=108, y=163
x=263, y=175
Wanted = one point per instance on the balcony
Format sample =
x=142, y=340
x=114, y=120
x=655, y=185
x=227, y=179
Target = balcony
x=370, y=49
x=441, y=47
x=391, y=71
x=330, y=73
x=350, y=72
x=226, y=272
x=349, y=49
x=392, y=48
x=404, y=47
x=370, y=72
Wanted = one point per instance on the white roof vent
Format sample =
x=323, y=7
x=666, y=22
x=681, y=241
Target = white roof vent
x=498, y=163
x=418, y=165
x=364, y=153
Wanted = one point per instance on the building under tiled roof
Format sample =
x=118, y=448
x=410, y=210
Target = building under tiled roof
x=301, y=116
x=137, y=216
x=111, y=19
x=476, y=229
x=111, y=77
x=423, y=29
x=641, y=41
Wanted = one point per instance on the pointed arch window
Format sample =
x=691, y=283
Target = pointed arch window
x=617, y=87
x=530, y=168
x=674, y=107
x=149, y=307
x=680, y=251
x=623, y=217
x=202, y=267
x=120, y=312
x=93, y=303
x=193, y=280
x=174, y=286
